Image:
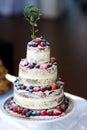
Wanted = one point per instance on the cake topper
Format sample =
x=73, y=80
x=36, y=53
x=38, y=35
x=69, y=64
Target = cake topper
x=32, y=15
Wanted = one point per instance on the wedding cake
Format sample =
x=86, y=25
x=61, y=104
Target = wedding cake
x=37, y=92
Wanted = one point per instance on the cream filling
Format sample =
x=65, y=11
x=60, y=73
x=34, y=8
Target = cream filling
x=40, y=103
x=38, y=55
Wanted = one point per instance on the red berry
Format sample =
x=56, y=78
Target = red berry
x=14, y=108
x=43, y=66
x=37, y=66
x=43, y=113
x=53, y=60
x=42, y=44
x=57, y=113
x=36, y=90
x=43, y=89
x=37, y=41
x=49, y=65
x=58, y=108
x=49, y=112
x=20, y=110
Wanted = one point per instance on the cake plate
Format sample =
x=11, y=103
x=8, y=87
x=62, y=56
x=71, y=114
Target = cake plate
x=60, y=123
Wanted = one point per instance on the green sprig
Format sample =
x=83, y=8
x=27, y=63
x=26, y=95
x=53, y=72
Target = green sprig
x=32, y=15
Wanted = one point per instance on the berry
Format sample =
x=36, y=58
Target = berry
x=43, y=66
x=20, y=110
x=53, y=60
x=18, y=87
x=34, y=113
x=24, y=111
x=58, y=108
x=43, y=89
x=54, y=86
x=30, y=90
x=38, y=113
x=47, y=44
x=23, y=87
x=11, y=102
x=34, y=44
x=36, y=90
x=49, y=65
x=10, y=107
x=37, y=41
x=57, y=113
x=31, y=87
x=48, y=87
x=43, y=113
x=31, y=66
x=29, y=113
x=14, y=108
x=49, y=112
x=42, y=44
x=37, y=66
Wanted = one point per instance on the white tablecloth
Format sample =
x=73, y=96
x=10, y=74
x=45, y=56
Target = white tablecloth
x=77, y=121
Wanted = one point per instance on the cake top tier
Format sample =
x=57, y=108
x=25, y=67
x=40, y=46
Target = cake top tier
x=38, y=51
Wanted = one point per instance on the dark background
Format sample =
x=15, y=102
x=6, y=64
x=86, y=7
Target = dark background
x=68, y=37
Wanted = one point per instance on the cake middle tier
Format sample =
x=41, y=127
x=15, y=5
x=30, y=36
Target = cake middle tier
x=39, y=75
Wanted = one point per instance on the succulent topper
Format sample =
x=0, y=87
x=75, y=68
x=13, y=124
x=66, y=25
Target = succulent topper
x=32, y=15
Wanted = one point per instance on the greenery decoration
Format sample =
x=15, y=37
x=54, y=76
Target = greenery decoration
x=32, y=15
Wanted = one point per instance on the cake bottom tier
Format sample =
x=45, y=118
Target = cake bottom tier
x=30, y=101
x=15, y=110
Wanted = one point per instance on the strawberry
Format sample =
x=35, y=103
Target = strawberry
x=53, y=60
x=54, y=86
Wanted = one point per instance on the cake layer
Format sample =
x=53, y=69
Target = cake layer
x=38, y=51
x=37, y=77
x=38, y=100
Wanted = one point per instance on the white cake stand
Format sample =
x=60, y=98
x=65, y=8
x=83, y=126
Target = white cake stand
x=60, y=123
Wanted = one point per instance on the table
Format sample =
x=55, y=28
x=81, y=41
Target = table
x=76, y=121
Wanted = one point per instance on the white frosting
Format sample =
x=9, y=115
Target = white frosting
x=38, y=54
x=38, y=103
x=37, y=76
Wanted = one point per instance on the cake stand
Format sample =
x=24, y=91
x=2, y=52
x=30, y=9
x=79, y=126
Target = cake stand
x=60, y=123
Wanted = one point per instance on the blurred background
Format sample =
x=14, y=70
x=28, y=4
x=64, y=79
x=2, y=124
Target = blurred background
x=63, y=24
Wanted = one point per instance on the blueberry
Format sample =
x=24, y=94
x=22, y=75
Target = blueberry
x=30, y=90
x=47, y=44
x=30, y=44
x=48, y=87
x=29, y=113
x=31, y=87
x=10, y=107
x=58, y=86
x=18, y=87
x=34, y=63
x=34, y=113
x=20, y=84
x=38, y=113
x=55, y=63
x=27, y=89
